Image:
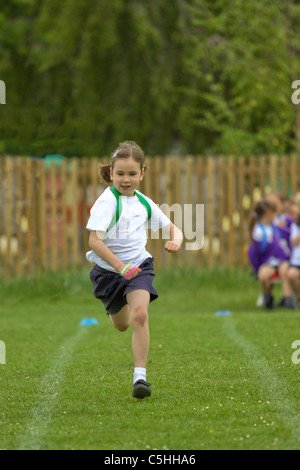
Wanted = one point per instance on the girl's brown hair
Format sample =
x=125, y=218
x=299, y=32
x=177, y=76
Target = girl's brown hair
x=258, y=212
x=127, y=149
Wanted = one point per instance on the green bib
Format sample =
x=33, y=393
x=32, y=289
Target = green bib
x=118, y=197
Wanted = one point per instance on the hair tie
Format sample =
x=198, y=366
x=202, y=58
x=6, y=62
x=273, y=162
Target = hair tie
x=115, y=153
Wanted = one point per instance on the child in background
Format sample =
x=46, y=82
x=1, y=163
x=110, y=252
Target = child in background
x=294, y=269
x=123, y=273
x=284, y=232
x=282, y=221
x=293, y=211
x=281, y=203
x=266, y=254
x=297, y=199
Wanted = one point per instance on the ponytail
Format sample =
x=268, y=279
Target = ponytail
x=259, y=211
x=104, y=172
x=253, y=219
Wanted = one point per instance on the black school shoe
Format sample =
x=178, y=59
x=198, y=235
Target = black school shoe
x=280, y=303
x=285, y=302
x=288, y=302
x=141, y=389
x=268, y=301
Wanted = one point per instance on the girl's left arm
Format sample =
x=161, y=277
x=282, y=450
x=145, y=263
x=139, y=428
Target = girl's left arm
x=176, y=238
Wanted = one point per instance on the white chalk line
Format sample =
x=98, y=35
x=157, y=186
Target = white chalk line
x=271, y=384
x=47, y=398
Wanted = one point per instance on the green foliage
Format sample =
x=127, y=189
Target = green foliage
x=192, y=75
x=240, y=66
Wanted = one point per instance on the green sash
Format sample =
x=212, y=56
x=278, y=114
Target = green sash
x=117, y=215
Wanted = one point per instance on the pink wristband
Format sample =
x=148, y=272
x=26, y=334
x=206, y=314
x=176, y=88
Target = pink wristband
x=127, y=275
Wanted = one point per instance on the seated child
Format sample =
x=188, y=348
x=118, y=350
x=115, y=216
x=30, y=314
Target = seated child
x=294, y=269
x=283, y=220
x=266, y=255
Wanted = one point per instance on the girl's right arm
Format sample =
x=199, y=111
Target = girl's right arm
x=176, y=238
x=98, y=246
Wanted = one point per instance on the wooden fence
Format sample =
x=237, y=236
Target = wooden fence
x=45, y=207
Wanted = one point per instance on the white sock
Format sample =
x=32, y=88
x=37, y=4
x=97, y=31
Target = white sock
x=139, y=374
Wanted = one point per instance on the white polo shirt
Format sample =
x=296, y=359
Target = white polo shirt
x=128, y=238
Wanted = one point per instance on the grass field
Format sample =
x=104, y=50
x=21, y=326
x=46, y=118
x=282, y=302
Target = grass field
x=218, y=382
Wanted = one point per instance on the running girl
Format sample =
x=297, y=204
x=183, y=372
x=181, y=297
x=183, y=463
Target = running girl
x=123, y=273
x=266, y=254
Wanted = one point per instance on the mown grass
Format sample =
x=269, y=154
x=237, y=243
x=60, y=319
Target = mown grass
x=219, y=382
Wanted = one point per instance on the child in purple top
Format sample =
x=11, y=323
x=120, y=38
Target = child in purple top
x=283, y=219
x=266, y=255
x=294, y=270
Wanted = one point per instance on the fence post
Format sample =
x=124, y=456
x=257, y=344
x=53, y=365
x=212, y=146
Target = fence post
x=200, y=200
x=221, y=213
x=8, y=214
x=74, y=186
x=294, y=173
x=157, y=199
x=273, y=172
x=210, y=207
x=241, y=192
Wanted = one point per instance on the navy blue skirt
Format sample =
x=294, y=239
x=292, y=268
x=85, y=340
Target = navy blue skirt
x=111, y=288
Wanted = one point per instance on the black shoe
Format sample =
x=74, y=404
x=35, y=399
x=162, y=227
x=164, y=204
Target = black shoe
x=141, y=389
x=288, y=302
x=280, y=303
x=268, y=301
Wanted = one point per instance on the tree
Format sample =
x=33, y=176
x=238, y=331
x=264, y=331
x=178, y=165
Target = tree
x=241, y=98
x=90, y=74
x=212, y=77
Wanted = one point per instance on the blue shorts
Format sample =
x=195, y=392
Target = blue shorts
x=111, y=288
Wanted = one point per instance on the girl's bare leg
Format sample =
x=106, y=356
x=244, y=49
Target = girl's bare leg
x=121, y=320
x=294, y=278
x=135, y=314
x=138, y=301
x=264, y=276
x=286, y=285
